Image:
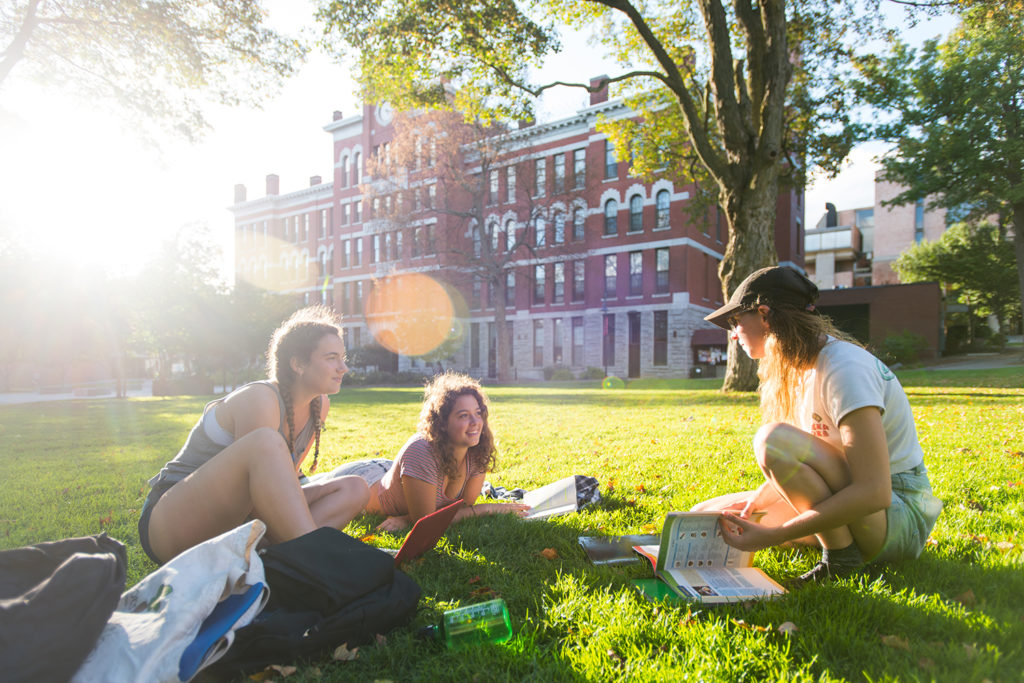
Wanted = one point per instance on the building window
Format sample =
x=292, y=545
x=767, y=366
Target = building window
x=357, y=210
x=493, y=236
x=608, y=345
x=558, y=296
x=492, y=188
x=357, y=302
x=558, y=185
x=475, y=229
x=346, y=253
x=577, y=341
x=321, y=266
x=357, y=255
x=578, y=216
x=559, y=236
x=510, y=235
x=356, y=338
x=661, y=338
x=611, y=168
x=662, y=202
x=344, y=214
x=346, y=293
x=579, y=168
x=475, y=297
x=431, y=196
x=918, y=221
x=431, y=240
x=510, y=289
x=375, y=249
x=539, y=177
x=398, y=244
x=474, y=345
x=636, y=213
x=538, y=343
x=661, y=270
x=636, y=273
x=556, y=341
x=357, y=172
x=510, y=184
x=538, y=283
x=417, y=239
x=540, y=229
x=323, y=223
x=346, y=171
x=611, y=212
x=610, y=267
x=577, y=281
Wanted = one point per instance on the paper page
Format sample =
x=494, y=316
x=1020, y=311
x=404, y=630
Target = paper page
x=723, y=585
x=694, y=541
x=556, y=498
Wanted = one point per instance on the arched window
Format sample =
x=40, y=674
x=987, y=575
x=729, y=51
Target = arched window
x=662, y=204
x=577, y=223
x=636, y=213
x=611, y=212
x=559, y=227
x=356, y=169
x=510, y=234
x=346, y=171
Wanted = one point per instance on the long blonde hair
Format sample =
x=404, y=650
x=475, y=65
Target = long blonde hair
x=793, y=341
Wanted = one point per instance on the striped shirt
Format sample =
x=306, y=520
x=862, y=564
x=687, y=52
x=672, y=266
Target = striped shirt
x=416, y=459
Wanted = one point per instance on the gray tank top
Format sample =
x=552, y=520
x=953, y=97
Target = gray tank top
x=199, y=447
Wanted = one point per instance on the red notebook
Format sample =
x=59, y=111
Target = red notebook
x=426, y=532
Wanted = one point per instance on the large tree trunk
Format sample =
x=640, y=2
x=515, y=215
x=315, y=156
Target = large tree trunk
x=751, y=245
x=1018, y=246
x=500, y=330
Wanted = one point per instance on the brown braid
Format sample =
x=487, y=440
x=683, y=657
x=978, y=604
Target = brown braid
x=298, y=338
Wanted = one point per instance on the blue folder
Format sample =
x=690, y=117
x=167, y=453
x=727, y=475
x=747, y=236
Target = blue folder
x=221, y=621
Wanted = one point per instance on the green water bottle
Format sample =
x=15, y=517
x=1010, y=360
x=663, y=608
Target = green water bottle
x=485, y=622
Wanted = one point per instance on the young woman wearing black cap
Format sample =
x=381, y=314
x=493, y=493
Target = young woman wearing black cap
x=842, y=463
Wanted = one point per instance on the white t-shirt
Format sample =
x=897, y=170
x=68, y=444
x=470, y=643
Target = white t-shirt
x=845, y=378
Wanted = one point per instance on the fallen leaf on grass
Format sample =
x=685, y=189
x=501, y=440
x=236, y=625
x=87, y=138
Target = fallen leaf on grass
x=631, y=502
x=967, y=598
x=1005, y=546
x=896, y=642
x=932, y=541
x=106, y=520
x=343, y=654
x=484, y=592
x=749, y=627
x=475, y=579
x=369, y=538
x=787, y=628
x=610, y=487
x=640, y=488
x=649, y=528
x=285, y=671
x=549, y=553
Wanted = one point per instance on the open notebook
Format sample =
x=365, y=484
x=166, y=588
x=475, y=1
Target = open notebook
x=425, y=533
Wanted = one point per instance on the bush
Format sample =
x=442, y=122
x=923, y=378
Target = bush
x=561, y=374
x=997, y=342
x=377, y=378
x=592, y=373
x=903, y=348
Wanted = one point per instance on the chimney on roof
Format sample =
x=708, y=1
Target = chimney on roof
x=525, y=123
x=314, y=180
x=831, y=217
x=273, y=184
x=337, y=115
x=239, y=193
x=599, y=89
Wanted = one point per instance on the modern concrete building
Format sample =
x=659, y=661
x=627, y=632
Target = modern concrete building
x=619, y=275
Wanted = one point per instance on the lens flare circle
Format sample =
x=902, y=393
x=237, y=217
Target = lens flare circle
x=409, y=313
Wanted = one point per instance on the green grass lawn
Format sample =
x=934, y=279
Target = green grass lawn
x=80, y=467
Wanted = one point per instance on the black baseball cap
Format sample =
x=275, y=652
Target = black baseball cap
x=779, y=285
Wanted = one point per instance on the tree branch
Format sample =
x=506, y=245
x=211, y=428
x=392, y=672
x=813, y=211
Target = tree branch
x=16, y=50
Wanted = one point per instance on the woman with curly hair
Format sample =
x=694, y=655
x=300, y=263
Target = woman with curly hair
x=839, y=451
x=242, y=458
x=444, y=461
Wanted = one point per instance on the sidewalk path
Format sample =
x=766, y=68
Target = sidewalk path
x=15, y=397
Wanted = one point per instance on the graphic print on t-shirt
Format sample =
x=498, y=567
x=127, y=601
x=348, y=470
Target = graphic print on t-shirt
x=818, y=426
x=884, y=371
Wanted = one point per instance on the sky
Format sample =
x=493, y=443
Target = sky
x=83, y=187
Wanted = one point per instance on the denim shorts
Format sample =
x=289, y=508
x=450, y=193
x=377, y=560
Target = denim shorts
x=910, y=517
x=372, y=471
x=147, y=511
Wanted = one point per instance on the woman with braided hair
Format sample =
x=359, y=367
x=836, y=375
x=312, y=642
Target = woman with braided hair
x=444, y=461
x=242, y=459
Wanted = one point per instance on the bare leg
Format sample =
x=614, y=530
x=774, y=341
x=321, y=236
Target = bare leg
x=337, y=501
x=253, y=476
x=806, y=470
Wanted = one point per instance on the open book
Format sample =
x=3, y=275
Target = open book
x=557, y=498
x=695, y=563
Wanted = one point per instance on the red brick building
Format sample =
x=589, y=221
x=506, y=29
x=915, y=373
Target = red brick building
x=620, y=278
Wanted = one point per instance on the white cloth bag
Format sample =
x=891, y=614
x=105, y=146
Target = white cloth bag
x=160, y=616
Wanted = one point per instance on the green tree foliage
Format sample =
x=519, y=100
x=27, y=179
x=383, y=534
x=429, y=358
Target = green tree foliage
x=152, y=58
x=975, y=264
x=956, y=118
x=728, y=92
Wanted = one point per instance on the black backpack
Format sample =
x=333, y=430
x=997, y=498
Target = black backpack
x=326, y=588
